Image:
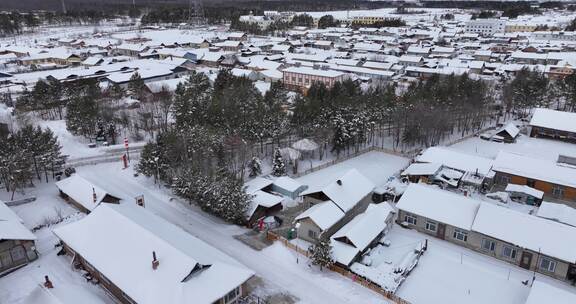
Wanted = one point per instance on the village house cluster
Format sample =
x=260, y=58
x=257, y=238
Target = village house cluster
x=490, y=49
x=517, y=206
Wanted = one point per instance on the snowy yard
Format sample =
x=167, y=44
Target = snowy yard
x=535, y=147
x=24, y=286
x=376, y=166
x=448, y=273
x=276, y=265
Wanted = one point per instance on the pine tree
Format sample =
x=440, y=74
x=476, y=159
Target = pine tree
x=81, y=116
x=136, y=86
x=278, y=165
x=255, y=167
x=321, y=254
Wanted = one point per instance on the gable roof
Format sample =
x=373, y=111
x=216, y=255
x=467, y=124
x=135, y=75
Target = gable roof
x=82, y=191
x=538, y=169
x=439, y=205
x=11, y=227
x=552, y=119
x=324, y=214
x=348, y=190
x=527, y=231
x=361, y=231
x=136, y=233
x=456, y=160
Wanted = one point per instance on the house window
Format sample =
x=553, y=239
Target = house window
x=558, y=191
x=509, y=252
x=504, y=179
x=547, y=264
x=488, y=245
x=232, y=295
x=18, y=253
x=410, y=218
x=5, y=259
x=431, y=226
x=460, y=235
x=312, y=234
x=530, y=183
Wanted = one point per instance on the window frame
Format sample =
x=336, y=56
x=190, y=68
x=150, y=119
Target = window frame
x=558, y=191
x=491, y=246
x=551, y=264
x=458, y=232
x=513, y=252
x=312, y=234
x=430, y=223
x=408, y=216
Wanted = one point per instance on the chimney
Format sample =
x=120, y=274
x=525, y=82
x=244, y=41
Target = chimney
x=48, y=283
x=155, y=261
x=339, y=182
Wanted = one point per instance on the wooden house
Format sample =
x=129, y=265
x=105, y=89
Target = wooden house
x=138, y=257
x=17, y=243
x=83, y=194
x=333, y=206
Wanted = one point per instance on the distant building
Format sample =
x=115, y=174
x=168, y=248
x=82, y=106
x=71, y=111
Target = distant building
x=301, y=78
x=486, y=27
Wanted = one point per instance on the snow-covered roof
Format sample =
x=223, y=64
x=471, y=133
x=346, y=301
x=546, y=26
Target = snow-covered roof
x=527, y=231
x=511, y=129
x=557, y=212
x=324, y=214
x=348, y=190
x=263, y=199
x=256, y=184
x=538, y=169
x=541, y=293
x=11, y=225
x=439, y=205
x=6, y=214
x=422, y=169
x=287, y=183
x=169, y=84
x=524, y=189
x=552, y=119
x=82, y=191
x=360, y=231
x=134, y=233
x=313, y=71
x=456, y=160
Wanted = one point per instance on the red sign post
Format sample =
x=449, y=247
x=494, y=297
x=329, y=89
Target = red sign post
x=126, y=146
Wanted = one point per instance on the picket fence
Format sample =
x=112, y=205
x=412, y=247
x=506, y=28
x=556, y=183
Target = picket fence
x=271, y=236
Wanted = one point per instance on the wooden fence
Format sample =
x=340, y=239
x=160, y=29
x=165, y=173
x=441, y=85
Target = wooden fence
x=271, y=236
x=349, y=156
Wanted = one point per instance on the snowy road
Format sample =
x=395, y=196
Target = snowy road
x=308, y=284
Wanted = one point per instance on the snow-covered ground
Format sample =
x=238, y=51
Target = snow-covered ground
x=280, y=274
x=24, y=286
x=376, y=166
x=448, y=273
x=535, y=147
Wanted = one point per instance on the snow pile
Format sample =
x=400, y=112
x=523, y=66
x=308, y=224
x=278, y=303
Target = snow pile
x=305, y=145
x=387, y=275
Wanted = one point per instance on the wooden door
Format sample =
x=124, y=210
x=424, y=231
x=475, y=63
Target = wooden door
x=441, y=231
x=526, y=260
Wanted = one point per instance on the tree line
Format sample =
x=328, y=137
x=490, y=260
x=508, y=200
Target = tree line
x=27, y=154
